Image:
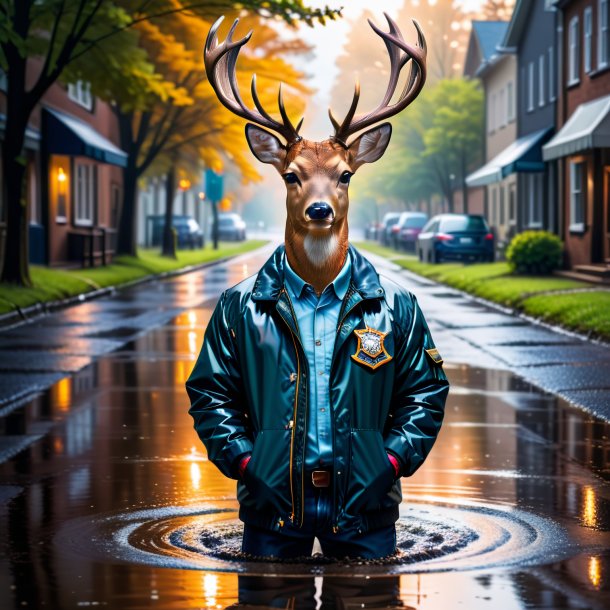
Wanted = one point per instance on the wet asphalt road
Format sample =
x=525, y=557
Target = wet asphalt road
x=114, y=442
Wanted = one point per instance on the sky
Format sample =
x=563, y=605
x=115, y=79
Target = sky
x=327, y=42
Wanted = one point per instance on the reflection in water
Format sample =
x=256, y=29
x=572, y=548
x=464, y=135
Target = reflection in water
x=589, y=512
x=595, y=571
x=61, y=394
x=210, y=589
x=120, y=440
x=195, y=475
x=318, y=592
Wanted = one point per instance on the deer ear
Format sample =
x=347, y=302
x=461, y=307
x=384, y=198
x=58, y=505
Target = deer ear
x=265, y=146
x=370, y=146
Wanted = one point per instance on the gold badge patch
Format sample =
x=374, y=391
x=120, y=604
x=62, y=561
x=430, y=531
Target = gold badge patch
x=371, y=351
x=434, y=355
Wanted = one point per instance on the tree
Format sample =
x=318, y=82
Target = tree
x=60, y=33
x=194, y=127
x=453, y=142
x=438, y=137
x=446, y=28
x=497, y=10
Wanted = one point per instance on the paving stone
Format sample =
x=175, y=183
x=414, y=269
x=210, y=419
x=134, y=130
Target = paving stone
x=508, y=335
x=41, y=361
x=489, y=319
x=594, y=401
x=14, y=444
x=14, y=386
x=69, y=346
x=568, y=377
x=544, y=354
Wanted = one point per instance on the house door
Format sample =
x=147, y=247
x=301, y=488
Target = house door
x=606, y=212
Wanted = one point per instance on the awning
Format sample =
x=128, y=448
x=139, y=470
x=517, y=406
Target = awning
x=523, y=155
x=67, y=135
x=588, y=127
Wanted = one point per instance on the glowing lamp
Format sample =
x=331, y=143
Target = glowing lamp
x=184, y=184
x=61, y=175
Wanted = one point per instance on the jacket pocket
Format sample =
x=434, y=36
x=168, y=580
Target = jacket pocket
x=267, y=475
x=371, y=474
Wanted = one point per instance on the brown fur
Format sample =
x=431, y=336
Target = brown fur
x=319, y=167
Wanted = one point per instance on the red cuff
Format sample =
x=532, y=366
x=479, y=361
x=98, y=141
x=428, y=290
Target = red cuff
x=395, y=464
x=242, y=465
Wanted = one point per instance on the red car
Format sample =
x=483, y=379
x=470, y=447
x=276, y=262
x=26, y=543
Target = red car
x=406, y=230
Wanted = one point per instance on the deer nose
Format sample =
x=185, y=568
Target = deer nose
x=319, y=210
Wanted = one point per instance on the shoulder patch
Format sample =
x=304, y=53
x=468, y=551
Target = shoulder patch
x=434, y=355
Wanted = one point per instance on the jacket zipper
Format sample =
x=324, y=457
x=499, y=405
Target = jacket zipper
x=335, y=526
x=295, y=411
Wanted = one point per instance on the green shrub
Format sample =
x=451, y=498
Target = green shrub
x=534, y=253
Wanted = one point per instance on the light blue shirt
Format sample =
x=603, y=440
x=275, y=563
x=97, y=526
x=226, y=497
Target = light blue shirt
x=317, y=320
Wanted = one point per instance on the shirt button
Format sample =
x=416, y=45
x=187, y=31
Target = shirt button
x=322, y=409
x=318, y=342
x=320, y=372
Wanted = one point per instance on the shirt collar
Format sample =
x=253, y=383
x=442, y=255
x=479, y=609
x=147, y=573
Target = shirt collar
x=296, y=284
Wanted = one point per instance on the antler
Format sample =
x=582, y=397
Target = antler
x=400, y=53
x=220, y=61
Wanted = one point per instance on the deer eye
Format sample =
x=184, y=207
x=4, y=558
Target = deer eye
x=345, y=176
x=291, y=178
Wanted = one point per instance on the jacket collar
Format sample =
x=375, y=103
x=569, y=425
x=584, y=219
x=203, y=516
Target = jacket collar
x=270, y=279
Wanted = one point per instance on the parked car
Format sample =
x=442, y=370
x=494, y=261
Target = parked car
x=456, y=237
x=188, y=231
x=371, y=231
x=231, y=227
x=406, y=230
x=385, y=230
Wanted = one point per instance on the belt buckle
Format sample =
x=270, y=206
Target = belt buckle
x=320, y=478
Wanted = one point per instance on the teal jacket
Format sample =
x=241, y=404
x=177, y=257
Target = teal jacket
x=249, y=394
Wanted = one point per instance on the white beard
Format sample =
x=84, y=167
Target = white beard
x=320, y=249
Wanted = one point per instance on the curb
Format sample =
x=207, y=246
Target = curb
x=513, y=311
x=28, y=314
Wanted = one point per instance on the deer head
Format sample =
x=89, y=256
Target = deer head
x=317, y=174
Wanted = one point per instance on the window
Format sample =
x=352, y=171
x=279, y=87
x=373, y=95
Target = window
x=573, y=52
x=551, y=74
x=510, y=102
x=512, y=197
x=80, y=92
x=535, y=194
x=530, y=86
x=577, y=196
x=502, y=108
x=588, y=26
x=603, y=34
x=541, y=83
x=502, y=212
x=84, y=195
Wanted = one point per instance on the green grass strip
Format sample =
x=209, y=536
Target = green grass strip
x=537, y=296
x=55, y=284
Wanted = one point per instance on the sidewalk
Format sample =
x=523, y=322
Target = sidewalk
x=478, y=333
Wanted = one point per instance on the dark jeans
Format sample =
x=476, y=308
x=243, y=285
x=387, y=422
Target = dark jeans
x=293, y=541
x=325, y=593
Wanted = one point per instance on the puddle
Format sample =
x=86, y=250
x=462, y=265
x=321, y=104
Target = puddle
x=431, y=537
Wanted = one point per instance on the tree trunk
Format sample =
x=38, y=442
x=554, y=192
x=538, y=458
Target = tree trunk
x=126, y=231
x=16, y=256
x=15, y=268
x=464, y=186
x=215, y=225
x=169, y=241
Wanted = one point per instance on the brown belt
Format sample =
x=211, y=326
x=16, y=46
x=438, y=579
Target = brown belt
x=320, y=478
